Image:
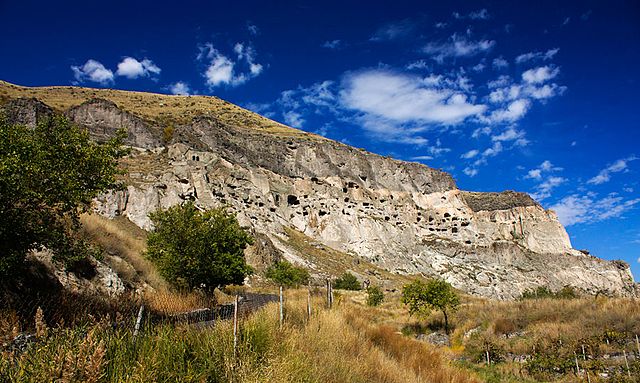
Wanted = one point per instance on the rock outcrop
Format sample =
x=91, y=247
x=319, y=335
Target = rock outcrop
x=405, y=217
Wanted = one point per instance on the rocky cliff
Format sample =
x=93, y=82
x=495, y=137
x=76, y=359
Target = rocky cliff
x=404, y=217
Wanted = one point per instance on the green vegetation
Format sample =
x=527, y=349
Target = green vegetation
x=195, y=249
x=375, y=296
x=435, y=294
x=48, y=176
x=285, y=274
x=566, y=292
x=347, y=281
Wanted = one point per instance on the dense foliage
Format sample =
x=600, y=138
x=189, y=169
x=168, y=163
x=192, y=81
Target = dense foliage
x=196, y=249
x=375, y=296
x=435, y=294
x=48, y=175
x=347, y=281
x=285, y=274
x=566, y=292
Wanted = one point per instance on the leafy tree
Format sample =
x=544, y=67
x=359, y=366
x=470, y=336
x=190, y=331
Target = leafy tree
x=375, y=296
x=49, y=174
x=347, y=281
x=435, y=294
x=196, y=249
x=286, y=274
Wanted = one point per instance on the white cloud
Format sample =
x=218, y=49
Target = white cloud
x=131, y=68
x=471, y=172
x=510, y=134
x=544, y=56
x=94, y=71
x=575, y=209
x=470, y=154
x=515, y=111
x=333, y=44
x=394, y=31
x=253, y=29
x=223, y=71
x=481, y=14
x=457, y=46
x=543, y=190
x=180, y=88
x=535, y=174
x=500, y=63
x=421, y=158
x=404, y=98
x=617, y=167
x=294, y=119
x=540, y=74
x=420, y=64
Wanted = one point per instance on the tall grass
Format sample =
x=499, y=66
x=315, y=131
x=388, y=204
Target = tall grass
x=330, y=346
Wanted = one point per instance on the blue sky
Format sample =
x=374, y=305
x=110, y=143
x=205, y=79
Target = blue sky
x=537, y=97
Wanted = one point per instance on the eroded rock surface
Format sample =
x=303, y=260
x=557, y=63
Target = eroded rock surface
x=405, y=217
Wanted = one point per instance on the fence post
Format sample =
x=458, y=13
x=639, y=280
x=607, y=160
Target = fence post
x=584, y=356
x=577, y=366
x=136, y=329
x=638, y=346
x=235, y=326
x=309, y=302
x=281, y=309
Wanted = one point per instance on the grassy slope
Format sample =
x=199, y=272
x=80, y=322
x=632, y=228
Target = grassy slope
x=159, y=108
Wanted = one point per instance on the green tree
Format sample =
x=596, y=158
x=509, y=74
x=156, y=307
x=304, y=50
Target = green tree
x=347, y=281
x=435, y=294
x=198, y=249
x=49, y=174
x=375, y=296
x=285, y=274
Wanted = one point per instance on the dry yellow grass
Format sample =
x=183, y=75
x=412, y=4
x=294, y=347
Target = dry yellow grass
x=120, y=237
x=160, y=108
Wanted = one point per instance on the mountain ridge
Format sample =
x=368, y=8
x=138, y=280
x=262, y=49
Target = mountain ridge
x=404, y=217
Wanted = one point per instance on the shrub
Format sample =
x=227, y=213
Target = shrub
x=347, y=281
x=542, y=292
x=285, y=274
x=195, y=249
x=375, y=296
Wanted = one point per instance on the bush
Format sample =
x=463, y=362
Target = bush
x=542, y=292
x=347, y=281
x=285, y=274
x=375, y=296
x=195, y=249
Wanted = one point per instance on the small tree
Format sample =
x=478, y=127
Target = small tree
x=49, y=174
x=375, y=296
x=435, y=294
x=347, y=281
x=285, y=274
x=194, y=249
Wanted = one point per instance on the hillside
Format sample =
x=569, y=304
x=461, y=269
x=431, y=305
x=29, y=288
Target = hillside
x=284, y=184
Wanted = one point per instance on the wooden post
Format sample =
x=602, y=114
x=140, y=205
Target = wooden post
x=329, y=293
x=626, y=362
x=638, y=346
x=136, y=329
x=577, y=366
x=281, y=308
x=588, y=377
x=488, y=359
x=235, y=326
x=309, y=302
x=584, y=356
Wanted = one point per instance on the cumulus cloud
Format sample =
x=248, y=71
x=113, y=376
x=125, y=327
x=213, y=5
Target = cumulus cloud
x=180, y=88
x=541, y=56
x=470, y=154
x=540, y=74
x=294, y=119
x=500, y=63
x=543, y=190
x=457, y=46
x=511, y=134
x=223, y=70
x=131, y=68
x=404, y=98
x=620, y=165
x=575, y=209
x=93, y=71
x=513, y=112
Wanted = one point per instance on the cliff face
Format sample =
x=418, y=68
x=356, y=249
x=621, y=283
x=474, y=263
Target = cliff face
x=404, y=217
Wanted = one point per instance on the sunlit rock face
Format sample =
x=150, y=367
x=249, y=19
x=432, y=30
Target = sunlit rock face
x=405, y=217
